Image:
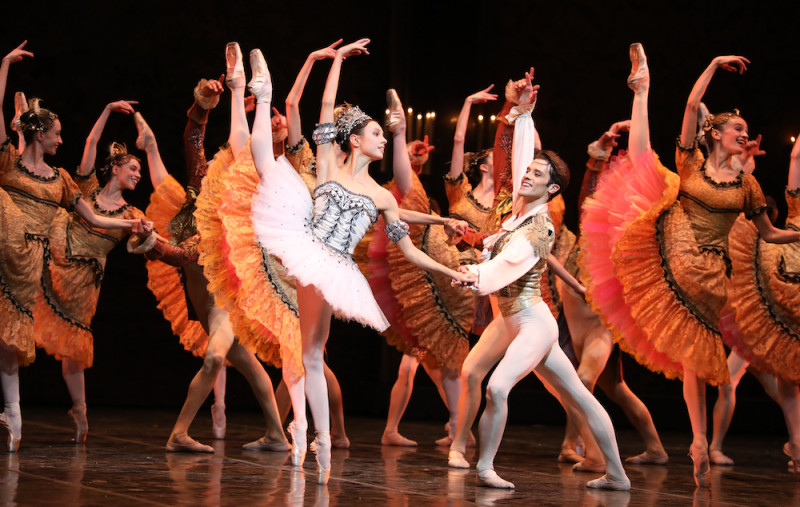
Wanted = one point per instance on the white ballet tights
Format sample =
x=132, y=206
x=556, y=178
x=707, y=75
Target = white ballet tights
x=73, y=377
x=9, y=380
x=315, y=321
x=535, y=346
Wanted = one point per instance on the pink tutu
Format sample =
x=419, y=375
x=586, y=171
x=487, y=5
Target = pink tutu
x=282, y=214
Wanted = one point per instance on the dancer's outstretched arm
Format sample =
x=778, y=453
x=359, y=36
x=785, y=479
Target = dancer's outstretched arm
x=401, y=161
x=599, y=152
x=326, y=157
x=730, y=63
x=293, y=99
x=147, y=141
x=457, y=159
x=561, y=272
x=385, y=202
x=90, y=148
x=14, y=56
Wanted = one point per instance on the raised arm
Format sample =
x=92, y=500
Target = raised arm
x=147, y=141
x=730, y=63
x=457, y=160
x=14, y=56
x=90, y=148
x=599, y=152
x=293, y=99
x=794, y=166
x=401, y=161
x=523, y=147
x=326, y=158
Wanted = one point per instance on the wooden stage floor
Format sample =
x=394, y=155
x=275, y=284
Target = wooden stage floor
x=124, y=463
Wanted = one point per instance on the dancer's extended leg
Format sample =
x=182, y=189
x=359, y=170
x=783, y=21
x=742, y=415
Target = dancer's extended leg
x=484, y=355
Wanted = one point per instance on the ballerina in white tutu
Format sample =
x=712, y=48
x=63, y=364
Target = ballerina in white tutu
x=315, y=239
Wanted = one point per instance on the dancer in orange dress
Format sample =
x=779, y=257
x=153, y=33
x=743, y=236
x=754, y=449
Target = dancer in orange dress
x=71, y=280
x=217, y=322
x=31, y=195
x=430, y=319
x=762, y=323
x=655, y=250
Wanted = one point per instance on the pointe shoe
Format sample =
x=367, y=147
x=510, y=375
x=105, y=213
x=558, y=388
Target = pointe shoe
x=234, y=76
x=490, y=479
x=299, y=443
x=322, y=450
x=640, y=73
x=260, y=84
x=700, y=465
x=218, y=420
x=186, y=443
x=20, y=106
x=78, y=416
x=456, y=459
x=146, y=138
x=14, y=436
x=793, y=464
x=393, y=101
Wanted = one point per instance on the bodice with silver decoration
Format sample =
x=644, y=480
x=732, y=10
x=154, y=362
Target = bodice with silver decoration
x=341, y=217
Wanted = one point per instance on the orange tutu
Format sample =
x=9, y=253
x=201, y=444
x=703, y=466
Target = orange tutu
x=436, y=315
x=164, y=281
x=254, y=284
x=765, y=298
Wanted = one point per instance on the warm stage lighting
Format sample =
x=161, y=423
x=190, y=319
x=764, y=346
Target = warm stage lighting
x=433, y=114
x=387, y=111
x=480, y=117
x=428, y=116
x=410, y=110
x=793, y=138
x=419, y=116
x=493, y=117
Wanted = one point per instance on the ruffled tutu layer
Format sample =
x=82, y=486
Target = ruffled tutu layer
x=164, y=281
x=68, y=301
x=398, y=334
x=21, y=263
x=620, y=262
x=282, y=211
x=763, y=323
x=254, y=284
x=437, y=315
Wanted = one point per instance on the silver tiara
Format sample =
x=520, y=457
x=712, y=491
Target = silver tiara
x=352, y=117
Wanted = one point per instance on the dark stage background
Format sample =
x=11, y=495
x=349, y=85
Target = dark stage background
x=435, y=54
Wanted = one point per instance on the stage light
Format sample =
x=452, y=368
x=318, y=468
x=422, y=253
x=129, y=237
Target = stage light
x=410, y=110
x=387, y=111
x=419, y=116
x=480, y=117
x=433, y=114
x=493, y=117
x=793, y=138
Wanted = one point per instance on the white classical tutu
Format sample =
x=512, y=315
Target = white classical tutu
x=282, y=212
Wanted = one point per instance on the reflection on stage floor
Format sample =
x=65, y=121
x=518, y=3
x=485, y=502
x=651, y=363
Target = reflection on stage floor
x=124, y=463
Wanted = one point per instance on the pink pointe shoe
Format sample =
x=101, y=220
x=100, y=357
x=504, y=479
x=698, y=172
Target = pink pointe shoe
x=640, y=73
x=78, y=415
x=12, y=422
x=234, y=75
x=299, y=443
x=218, y=421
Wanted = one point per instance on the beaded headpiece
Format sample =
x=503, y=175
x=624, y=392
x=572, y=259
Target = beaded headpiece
x=34, y=121
x=352, y=117
x=715, y=121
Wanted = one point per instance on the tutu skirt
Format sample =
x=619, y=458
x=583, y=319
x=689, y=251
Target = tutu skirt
x=282, y=213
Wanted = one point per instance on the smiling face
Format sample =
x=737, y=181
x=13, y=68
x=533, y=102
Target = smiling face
x=731, y=136
x=127, y=174
x=536, y=182
x=370, y=141
x=50, y=139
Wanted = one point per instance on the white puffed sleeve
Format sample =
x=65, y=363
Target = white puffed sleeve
x=517, y=258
